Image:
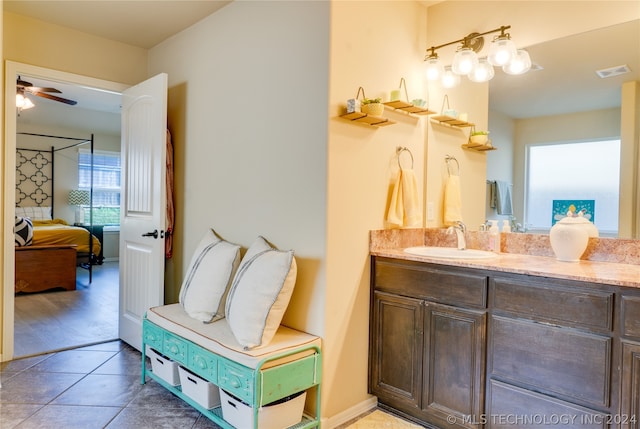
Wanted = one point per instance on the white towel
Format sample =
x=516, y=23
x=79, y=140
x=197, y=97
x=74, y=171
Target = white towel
x=404, y=205
x=503, y=201
x=452, y=200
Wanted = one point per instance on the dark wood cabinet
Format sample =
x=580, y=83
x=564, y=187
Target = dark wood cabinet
x=427, y=348
x=463, y=347
x=453, y=371
x=396, y=349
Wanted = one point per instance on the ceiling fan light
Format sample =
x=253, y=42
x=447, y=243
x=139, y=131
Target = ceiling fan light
x=483, y=72
x=520, y=64
x=464, y=61
x=434, y=68
x=502, y=51
x=449, y=78
x=23, y=102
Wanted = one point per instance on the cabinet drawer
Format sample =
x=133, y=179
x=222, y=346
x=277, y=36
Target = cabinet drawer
x=175, y=347
x=631, y=316
x=511, y=407
x=236, y=380
x=203, y=363
x=553, y=303
x=553, y=360
x=458, y=287
x=152, y=335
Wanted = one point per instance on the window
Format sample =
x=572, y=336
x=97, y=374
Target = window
x=573, y=171
x=106, y=184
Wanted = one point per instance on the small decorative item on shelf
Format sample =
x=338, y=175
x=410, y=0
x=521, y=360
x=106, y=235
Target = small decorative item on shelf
x=372, y=106
x=478, y=140
x=367, y=111
x=479, y=137
x=416, y=106
x=449, y=116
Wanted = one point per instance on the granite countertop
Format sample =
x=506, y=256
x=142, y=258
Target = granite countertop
x=603, y=265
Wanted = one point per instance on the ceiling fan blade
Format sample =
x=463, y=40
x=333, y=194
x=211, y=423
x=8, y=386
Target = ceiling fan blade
x=56, y=98
x=34, y=89
x=24, y=83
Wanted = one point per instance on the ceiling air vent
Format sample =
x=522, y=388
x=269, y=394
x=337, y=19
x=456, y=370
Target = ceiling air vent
x=613, y=71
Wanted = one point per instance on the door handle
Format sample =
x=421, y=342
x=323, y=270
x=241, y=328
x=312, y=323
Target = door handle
x=153, y=234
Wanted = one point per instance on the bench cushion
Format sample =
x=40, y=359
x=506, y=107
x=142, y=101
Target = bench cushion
x=218, y=338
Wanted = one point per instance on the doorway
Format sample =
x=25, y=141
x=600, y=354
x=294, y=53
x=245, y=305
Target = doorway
x=12, y=71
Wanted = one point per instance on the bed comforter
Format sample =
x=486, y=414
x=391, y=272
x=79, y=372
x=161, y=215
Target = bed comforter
x=58, y=231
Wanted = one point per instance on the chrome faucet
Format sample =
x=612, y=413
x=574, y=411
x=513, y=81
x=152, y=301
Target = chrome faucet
x=460, y=229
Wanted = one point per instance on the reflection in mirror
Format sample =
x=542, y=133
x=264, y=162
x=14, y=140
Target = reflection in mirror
x=572, y=94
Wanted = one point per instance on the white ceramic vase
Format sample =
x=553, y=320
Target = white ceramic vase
x=570, y=236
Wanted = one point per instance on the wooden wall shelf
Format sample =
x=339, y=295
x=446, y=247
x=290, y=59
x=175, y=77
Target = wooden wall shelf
x=450, y=120
x=479, y=147
x=363, y=118
x=408, y=107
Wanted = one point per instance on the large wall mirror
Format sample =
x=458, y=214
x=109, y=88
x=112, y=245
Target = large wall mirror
x=561, y=100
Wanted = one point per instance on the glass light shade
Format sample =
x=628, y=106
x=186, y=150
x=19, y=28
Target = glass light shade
x=483, y=72
x=449, y=78
x=520, y=64
x=501, y=52
x=434, y=68
x=464, y=61
x=23, y=102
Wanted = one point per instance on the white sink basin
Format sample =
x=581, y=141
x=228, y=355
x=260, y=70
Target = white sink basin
x=449, y=252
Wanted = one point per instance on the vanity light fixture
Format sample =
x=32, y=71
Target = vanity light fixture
x=502, y=53
x=483, y=72
x=435, y=68
x=518, y=65
x=449, y=78
x=502, y=49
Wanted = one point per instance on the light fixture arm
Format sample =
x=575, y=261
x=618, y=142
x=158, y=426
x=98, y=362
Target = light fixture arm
x=467, y=40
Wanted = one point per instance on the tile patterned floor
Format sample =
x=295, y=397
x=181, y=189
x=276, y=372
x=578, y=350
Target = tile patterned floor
x=99, y=387
x=91, y=387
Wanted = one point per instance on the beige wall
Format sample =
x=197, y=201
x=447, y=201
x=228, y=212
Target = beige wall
x=30, y=41
x=248, y=116
x=373, y=45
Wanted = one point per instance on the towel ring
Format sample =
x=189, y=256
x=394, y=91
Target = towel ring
x=399, y=151
x=448, y=159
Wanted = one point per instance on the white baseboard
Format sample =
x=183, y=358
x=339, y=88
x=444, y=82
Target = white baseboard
x=349, y=414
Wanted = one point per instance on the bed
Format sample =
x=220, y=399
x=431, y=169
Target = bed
x=47, y=257
x=58, y=231
x=50, y=257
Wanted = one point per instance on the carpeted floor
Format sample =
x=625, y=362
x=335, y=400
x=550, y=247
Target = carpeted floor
x=58, y=320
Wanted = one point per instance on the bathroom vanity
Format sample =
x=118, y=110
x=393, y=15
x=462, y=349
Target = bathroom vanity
x=513, y=341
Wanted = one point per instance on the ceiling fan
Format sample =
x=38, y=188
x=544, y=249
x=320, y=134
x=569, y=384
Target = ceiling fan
x=24, y=87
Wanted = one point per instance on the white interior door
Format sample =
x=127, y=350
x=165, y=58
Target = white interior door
x=142, y=204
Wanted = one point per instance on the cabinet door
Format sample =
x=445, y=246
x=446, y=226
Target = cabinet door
x=630, y=400
x=454, y=365
x=396, y=351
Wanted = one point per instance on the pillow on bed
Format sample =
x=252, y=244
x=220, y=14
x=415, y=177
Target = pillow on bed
x=204, y=289
x=23, y=230
x=34, y=213
x=260, y=293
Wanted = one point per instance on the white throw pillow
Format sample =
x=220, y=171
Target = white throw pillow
x=260, y=293
x=205, y=287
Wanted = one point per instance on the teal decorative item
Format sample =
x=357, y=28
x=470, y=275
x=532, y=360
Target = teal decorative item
x=562, y=207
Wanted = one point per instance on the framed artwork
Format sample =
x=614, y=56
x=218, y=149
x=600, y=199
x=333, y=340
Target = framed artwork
x=561, y=207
